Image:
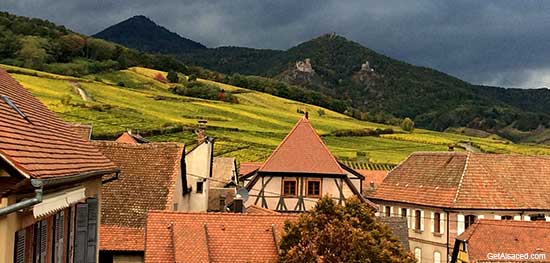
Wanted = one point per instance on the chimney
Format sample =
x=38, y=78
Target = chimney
x=307, y=115
x=451, y=148
x=238, y=204
x=371, y=185
x=201, y=131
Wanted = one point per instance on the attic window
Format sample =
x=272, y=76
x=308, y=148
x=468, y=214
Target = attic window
x=15, y=108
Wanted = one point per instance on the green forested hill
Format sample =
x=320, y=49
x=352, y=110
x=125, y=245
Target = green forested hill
x=40, y=44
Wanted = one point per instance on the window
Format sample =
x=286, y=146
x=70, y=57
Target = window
x=537, y=217
x=417, y=219
x=437, y=223
x=289, y=187
x=469, y=220
x=313, y=187
x=506, y=217
x=199, y=186
x=404, y=212
x=418, y=254
x=437, y=257
x=388, y=211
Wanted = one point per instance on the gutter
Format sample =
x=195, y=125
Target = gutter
x=38, y=190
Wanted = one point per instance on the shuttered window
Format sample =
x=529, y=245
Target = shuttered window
x=92, y=231
x=85, y=240
x=40, y=241
x=80, y=233
x=59, y=237
x=20, y=241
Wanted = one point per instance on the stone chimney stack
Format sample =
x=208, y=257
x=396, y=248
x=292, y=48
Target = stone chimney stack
x=201, y=131
x=238, y=204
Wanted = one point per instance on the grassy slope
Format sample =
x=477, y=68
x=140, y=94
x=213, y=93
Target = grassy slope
x=249, y=130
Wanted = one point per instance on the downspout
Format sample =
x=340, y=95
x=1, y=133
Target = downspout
x=448, y=234
x=38, y=191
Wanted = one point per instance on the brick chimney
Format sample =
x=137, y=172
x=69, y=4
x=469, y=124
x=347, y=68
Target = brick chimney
x=201, y=130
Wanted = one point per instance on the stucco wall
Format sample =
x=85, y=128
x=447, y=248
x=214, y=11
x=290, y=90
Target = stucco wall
x=198, y=165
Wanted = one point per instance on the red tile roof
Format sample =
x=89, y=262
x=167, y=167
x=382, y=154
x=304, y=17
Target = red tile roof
x=469, y=180
x=506, y=236
x=302, y=151
x=212, y=237
x=146, y=181
x=258, y=210
x=42, y=146
x=247, y=168
x=117, y=238
x=127, y=137
x=375, y=176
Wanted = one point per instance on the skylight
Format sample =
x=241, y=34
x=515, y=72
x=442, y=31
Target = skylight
x=12, y=105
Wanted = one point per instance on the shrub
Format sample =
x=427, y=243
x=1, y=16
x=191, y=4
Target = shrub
x=172, y=76
x=407, y=124
x=204, y=91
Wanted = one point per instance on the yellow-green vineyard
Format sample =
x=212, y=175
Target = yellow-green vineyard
x=250, y=130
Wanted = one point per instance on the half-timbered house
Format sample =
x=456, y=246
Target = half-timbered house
x=299, y=172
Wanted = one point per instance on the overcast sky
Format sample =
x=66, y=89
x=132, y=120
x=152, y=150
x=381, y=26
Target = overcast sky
x=500, y=42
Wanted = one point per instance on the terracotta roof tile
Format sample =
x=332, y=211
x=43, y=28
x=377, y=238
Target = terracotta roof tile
x=469, y=180
x=246, y=168
x=375, y=176
x=302, y=151
x=127, y=137
x=117, y=238
x=506, y=236
x=258, y=210
x=212, y=237
x=146, y=181
x=42, y=146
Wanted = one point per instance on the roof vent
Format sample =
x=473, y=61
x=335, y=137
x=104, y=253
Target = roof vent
x=12, y=105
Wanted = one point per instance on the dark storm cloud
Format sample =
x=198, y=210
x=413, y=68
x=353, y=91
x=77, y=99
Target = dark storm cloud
x=488, y=42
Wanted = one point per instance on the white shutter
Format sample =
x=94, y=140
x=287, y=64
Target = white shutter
x=432, y=222
x=527, y=218
x=409, y=217
x=398, y=211
x=443, y=223
x=517, y=218
x=460, y=224
x=480, y=216
x=421, y=220
x=497, y=217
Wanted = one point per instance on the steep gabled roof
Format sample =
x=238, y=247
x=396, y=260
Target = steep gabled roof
x=302, y=151
x=147, y=181
x=130, y=138
x=506, y=236
x=213, y=237
x=37, y=143
x=469, y=181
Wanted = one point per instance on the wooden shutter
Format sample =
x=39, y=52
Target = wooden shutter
x=20, y=241
x=81, y=231
x=460, y=224
x=59, y=237
x=43, y=240
x=92, y=231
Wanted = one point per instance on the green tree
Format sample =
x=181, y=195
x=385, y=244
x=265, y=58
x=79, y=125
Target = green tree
x=407, y=124
x=32, y=52
x=338, y=233
x=172, y=76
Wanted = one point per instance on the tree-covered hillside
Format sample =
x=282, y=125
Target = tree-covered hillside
x=40, y=44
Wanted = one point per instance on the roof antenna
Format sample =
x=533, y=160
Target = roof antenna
x=12, y=105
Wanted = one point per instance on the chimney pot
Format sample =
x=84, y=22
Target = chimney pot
x=201, y=131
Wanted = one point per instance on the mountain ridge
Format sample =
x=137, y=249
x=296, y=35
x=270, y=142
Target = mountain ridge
x=156, y=38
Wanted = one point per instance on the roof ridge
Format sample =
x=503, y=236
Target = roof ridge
x=143, y=145
x=466, y=162
x=150, y=212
